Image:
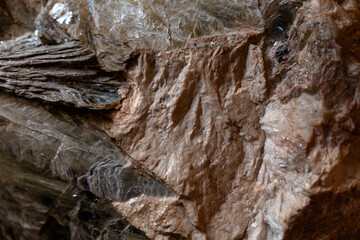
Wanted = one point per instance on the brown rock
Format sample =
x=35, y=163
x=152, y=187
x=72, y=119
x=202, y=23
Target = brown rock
x=17, y=17
x=163, y=218
x=250, y=130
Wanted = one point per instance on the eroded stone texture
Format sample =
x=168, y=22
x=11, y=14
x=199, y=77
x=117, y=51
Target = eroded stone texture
x=177, y=102
x=67, y=73
x=250, y=129
x=39, y=143
x=35, y=205
x=116, y=30
x=250, y=125
x=17, y=17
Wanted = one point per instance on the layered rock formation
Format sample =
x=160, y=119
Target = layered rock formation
x=181, y=120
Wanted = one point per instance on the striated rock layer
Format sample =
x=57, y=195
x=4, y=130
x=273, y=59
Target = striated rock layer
x=186, y=119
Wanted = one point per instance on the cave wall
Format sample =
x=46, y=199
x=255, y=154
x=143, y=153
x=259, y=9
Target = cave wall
x=180, y=119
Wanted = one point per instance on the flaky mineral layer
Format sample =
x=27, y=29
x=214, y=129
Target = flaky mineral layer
x=190, y=119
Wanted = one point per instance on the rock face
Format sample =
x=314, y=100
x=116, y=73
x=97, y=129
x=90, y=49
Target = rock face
x=181, y=120
x=58, y=177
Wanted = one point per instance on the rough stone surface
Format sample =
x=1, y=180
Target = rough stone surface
x=80, y=173
x=68, y=73
x=232, y=119
x=17, y=17
x=116, y=30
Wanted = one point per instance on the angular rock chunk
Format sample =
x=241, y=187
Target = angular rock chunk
x=67, y=73
x=58, y=176
x=116, y=30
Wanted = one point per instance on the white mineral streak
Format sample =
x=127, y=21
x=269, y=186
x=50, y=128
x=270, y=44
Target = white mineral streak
x=288, y=128
x=60, y=12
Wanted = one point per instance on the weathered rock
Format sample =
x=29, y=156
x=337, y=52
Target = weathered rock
x=35, y=205
x=17, y=17
x=66, y=73
x=243, y=125
x=58, y=169
x=249, y=120
x=116, y=30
